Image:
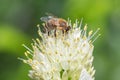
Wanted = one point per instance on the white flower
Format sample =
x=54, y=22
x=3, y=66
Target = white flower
x=64, y=57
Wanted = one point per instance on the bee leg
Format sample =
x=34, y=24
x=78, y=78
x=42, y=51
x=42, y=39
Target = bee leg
x=55, y=33
x=63, y=31
x=68, y=28
x=48, y=33
x=47, y=29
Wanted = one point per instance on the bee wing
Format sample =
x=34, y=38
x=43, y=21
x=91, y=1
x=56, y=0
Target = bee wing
x=48, y=17
x=44, y=19
x=51, y=15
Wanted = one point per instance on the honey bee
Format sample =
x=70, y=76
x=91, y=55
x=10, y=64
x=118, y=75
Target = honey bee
x=54, y=23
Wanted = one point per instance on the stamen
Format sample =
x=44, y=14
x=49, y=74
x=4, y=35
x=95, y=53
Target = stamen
x=76, y=22
x=94, y=33
x=96, y=38
x=90, y=33
x=27, y=48
x=26, y=55
x=22, y=60
x=38, y=25
x=85, y=28
x=29, y=53
x=80, y=25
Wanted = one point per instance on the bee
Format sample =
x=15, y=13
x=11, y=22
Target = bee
x=54, y=23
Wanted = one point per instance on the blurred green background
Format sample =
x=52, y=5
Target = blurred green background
x=18, y=20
